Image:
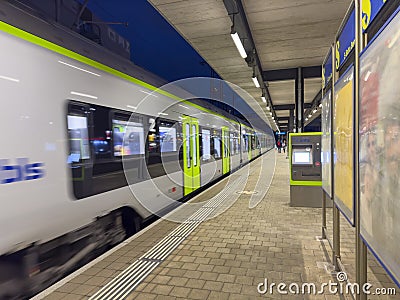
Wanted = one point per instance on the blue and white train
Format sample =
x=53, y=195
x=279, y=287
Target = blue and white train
x=75, y=134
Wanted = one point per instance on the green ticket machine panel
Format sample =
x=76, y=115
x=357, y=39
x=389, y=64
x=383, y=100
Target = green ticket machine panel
x=305, y=169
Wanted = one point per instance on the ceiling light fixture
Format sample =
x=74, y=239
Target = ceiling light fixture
x=314, y=111
x=238, y=43
x=320, y=105
x=255, y=80
x=263, y=96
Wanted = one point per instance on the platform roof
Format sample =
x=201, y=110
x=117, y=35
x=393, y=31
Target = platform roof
x=286, y=33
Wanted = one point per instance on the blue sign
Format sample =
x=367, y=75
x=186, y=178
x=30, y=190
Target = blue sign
x=346, y=41
x=369, y=10
x=327, y=69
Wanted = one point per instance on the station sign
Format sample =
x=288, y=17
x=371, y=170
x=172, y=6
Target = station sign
x=327, y=69
x=346, y=41
x=369, y=10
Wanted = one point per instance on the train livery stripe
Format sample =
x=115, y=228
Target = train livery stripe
x=71, y=54
x=83, y=59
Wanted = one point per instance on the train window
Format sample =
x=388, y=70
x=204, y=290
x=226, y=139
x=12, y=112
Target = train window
x=232, y=140
x=245, y=143
x=167, y=132
x=99, y=138
x=128, y=138
x=206, y=144
x=217, y=148
x=79, y=138
x=187, y=142
x=194, y=144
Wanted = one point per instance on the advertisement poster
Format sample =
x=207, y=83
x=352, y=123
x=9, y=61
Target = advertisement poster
x=379, y=158
x=343, y=144
x=326, y=143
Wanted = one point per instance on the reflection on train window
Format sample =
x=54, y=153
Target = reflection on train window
x=167, y=132
x=128, y=138
x=206, y=144
x=216, y=137
x=79, y=138
x=187, y=142
x=217, y=147
x=245, y=145
x=194, y=143
x=109, y=135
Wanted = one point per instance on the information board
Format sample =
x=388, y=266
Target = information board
x=379, y=158
x=369, y=10
x=346, y=41
x=343, y=144
x=326, y=143
x=327, y=69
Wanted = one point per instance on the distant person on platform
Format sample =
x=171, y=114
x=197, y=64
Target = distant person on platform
x=279, y=146
x=284, y=146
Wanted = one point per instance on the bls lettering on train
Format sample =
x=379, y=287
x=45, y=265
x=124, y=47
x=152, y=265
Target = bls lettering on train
x=21, y=171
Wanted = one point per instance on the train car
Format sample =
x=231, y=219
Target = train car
x=92, y=149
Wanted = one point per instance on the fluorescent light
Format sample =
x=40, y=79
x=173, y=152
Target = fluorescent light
x=270, y=113
x=310, y=115
x=306, y=119
x=255, y=80
x=314, y=111
x=268, y=108
x=131, y=106
x=273, y=118
x=77, y=68
x=320, y=105
x=162, y=114
x=84, y=95
x=183, y=106
x=238, y=44
x=263, y=99
x=150, y=94
x=9, y=78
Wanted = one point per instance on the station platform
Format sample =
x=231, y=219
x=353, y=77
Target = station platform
x=224, y=250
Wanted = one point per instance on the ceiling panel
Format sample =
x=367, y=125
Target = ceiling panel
x=287, y=34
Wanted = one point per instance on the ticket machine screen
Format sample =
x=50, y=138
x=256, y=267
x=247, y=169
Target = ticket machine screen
x=302, y=156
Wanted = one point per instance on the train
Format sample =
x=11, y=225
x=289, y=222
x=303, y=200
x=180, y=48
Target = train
x=92, y=149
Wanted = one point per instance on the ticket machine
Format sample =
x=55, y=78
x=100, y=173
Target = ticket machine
x=305, y=169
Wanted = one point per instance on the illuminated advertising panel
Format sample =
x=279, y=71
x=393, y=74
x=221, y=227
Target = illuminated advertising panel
x=369, y=10
x=343, y=144
x=326, y=143
x=379, y=144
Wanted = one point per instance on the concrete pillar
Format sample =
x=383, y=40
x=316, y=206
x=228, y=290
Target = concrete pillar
x=299, y=98
x=291, y=121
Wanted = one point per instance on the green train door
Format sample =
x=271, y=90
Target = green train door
x=191, y=155
x=226, y=166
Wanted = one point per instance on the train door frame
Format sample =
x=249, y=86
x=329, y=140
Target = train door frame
x=191, y=154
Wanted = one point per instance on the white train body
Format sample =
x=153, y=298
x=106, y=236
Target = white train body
x=37, y=84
